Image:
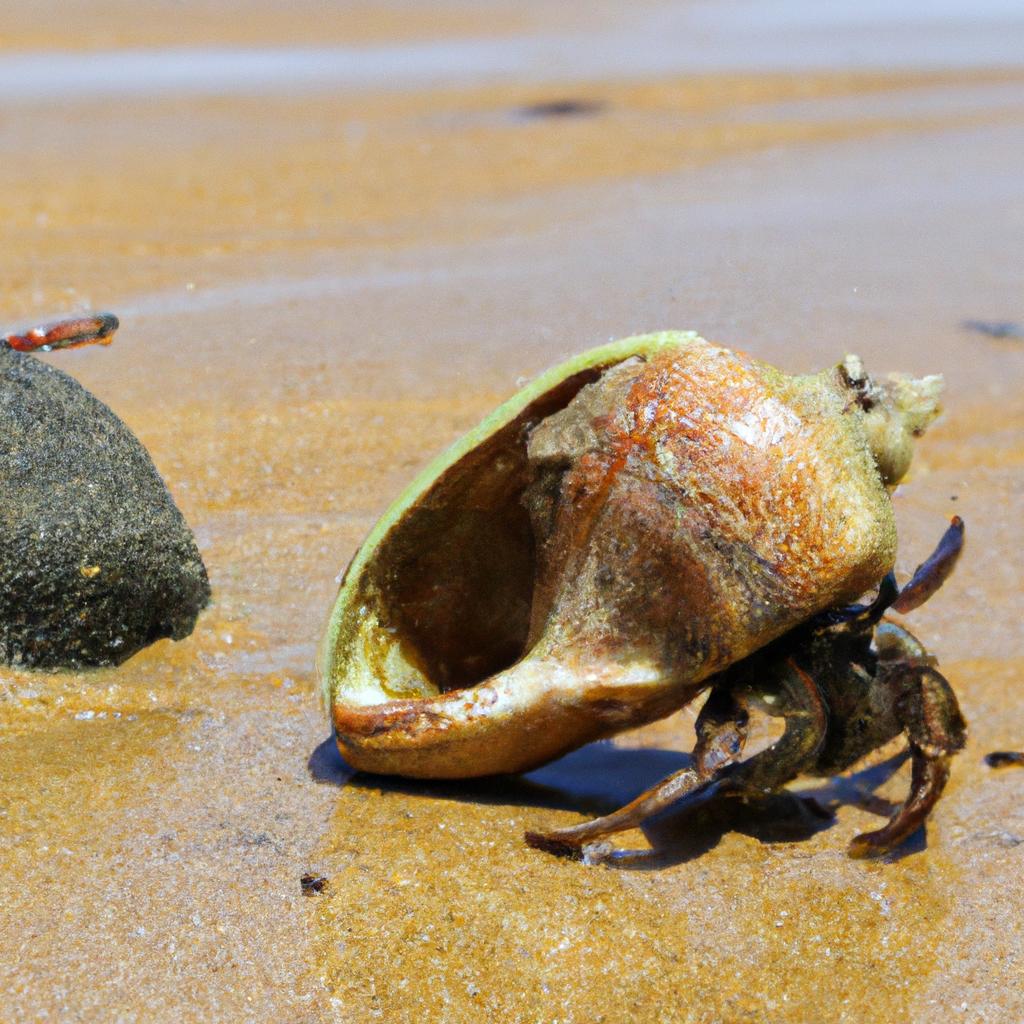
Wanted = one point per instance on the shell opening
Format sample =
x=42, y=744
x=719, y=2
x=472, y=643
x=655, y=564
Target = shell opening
x=446, y=601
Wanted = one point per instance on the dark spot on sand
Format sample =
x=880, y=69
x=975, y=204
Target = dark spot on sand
x=995, y=328
x=312, y=884
x=1003, y=758
x=563, y=108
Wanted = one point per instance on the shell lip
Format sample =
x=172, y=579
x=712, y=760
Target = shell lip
x=598, y=358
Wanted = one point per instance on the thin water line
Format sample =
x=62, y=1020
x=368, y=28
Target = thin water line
x=700, y=37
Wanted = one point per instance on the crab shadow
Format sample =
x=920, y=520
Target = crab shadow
x=696, y=825
x=594, y=780
x=600, y=778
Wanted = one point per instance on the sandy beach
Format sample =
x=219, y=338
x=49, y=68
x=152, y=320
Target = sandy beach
x=336, y=241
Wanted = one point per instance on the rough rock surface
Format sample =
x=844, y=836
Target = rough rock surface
x=96, y=561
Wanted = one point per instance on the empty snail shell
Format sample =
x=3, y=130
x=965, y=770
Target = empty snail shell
x=632, y=522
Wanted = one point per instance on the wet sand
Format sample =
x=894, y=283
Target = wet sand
x=320, y=288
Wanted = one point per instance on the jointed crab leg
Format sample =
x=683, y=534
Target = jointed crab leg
x=71, y=333
x=721, y=730
x=720, y=741
x=798, y=700
x=570, y=841
x=934, y=570
x=936, y=729
x=927, y=783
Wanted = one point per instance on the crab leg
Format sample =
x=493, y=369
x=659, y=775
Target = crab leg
x=721, y=736
x=936, y=729
x=927, y=783
x=798, y=700
x=721, y=730
x=570, y=842
x=934, y=571
x=71, y=333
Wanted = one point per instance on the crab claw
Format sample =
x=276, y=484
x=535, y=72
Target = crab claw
x=934, y=571
x=71, y=333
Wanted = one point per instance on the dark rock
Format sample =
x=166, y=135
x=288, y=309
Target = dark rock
x=96, y=561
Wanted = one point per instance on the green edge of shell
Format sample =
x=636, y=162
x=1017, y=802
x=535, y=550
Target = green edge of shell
x=603, y=355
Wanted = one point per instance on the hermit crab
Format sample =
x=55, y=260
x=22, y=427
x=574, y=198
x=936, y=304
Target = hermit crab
x=652, y=519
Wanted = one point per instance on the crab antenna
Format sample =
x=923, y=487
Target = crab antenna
x=71, y=333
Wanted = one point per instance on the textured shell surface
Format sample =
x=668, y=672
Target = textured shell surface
x=632, y=522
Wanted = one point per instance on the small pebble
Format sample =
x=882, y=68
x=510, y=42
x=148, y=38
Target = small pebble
x=1003, y=758
x=312, y=884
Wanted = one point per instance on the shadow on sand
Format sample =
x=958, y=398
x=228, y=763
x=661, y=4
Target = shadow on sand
x=601, y=777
